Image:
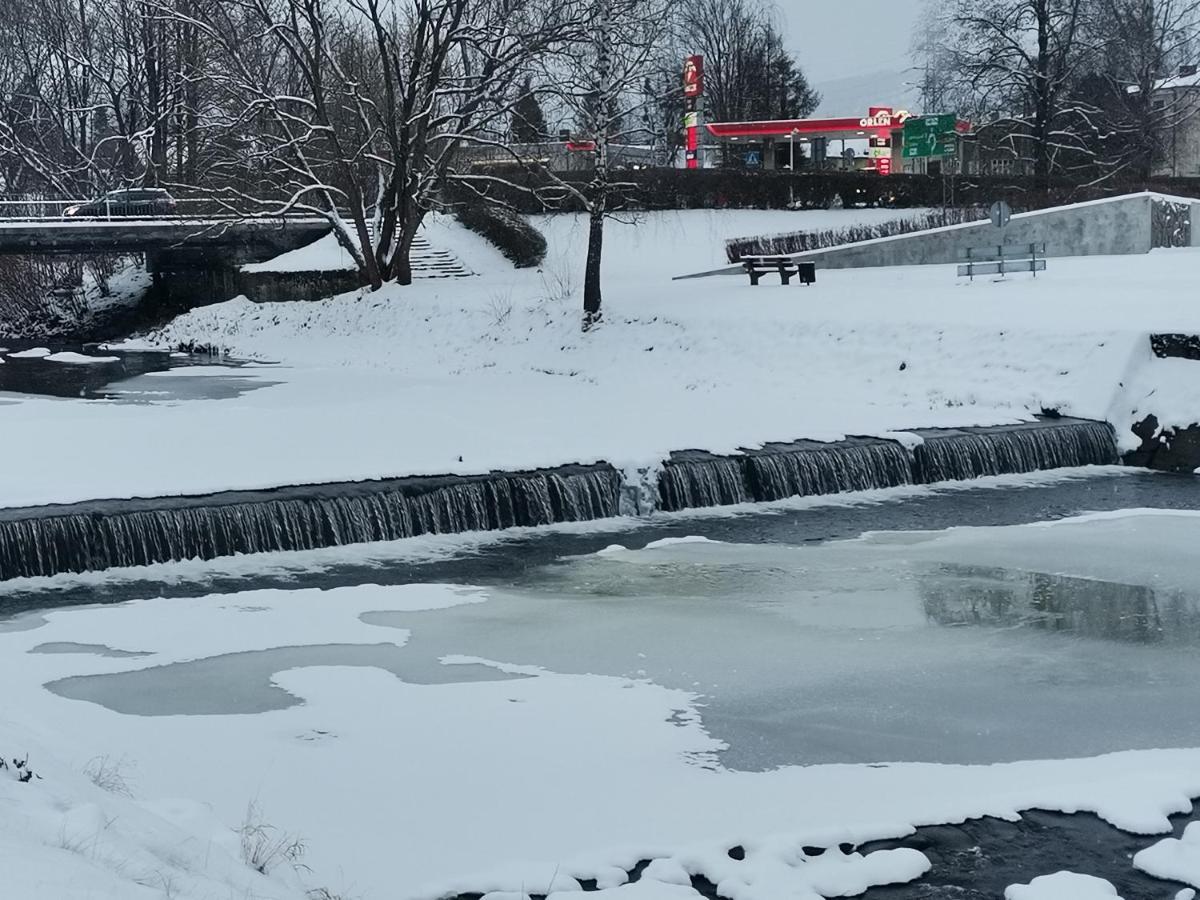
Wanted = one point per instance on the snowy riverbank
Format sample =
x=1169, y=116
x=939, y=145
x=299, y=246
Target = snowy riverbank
x=491, y=372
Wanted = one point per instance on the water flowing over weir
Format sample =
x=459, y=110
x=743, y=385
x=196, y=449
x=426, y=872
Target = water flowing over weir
x=970, y=453
x=78, y=537
x=111, y=533
x=777, y=471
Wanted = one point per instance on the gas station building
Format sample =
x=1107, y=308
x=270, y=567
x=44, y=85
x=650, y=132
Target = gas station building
x=871, y=143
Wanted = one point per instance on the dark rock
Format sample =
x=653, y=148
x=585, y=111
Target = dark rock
x=1171, y=450
x=1179, y=346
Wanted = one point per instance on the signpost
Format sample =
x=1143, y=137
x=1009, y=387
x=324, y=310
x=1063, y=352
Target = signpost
x=926, y=136
x=1000, y=213
x=693, y=91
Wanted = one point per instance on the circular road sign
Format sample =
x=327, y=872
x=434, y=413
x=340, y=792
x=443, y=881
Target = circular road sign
x=1000, y=212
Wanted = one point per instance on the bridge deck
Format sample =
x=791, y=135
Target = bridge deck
x=80, y=235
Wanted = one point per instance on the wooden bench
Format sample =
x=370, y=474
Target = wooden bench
x=758, y=266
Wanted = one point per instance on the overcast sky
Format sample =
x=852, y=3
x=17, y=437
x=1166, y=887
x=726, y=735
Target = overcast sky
x=839, y=39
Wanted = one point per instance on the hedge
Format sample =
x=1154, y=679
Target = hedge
x=662, y=189
x=801, y=241
x=507, y=230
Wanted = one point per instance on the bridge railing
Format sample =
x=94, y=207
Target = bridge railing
x=34, y=208
x=39, y=209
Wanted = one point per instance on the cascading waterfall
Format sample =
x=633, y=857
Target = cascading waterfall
x=1053, y=444
x=829, y=469
x=782, y=470
x=111, y=533
x=82, y=537
x=778, y=471
x=693, y=480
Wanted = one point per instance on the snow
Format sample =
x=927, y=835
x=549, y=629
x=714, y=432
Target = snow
x=533, y=779
x=501, y=785
x=64, y=838
x=31, y=353
x=80, y=359
x=1175, y=858
x=1062, y=886
x=323, y=255
x=671, y=542
x=709, y=363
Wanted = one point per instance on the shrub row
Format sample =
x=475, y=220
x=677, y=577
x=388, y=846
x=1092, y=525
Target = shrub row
x=661, y=189
x=507, y=230
x=801, y=241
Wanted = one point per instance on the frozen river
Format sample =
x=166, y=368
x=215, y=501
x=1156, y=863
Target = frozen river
x=627, y=690
x=979, y=644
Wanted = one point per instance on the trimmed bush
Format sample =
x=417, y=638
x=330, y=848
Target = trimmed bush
x=663, y=189
x=801, y=241
x=507, y=230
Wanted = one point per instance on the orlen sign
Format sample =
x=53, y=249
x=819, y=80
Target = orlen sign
x=693, y=76
x=883, y=117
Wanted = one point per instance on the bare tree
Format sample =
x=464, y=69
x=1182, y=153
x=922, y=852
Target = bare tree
x=1022, y=59
x=1141, y=43
x=91, y=94
x=358, y=110
x=748, y=74
x=602, y=82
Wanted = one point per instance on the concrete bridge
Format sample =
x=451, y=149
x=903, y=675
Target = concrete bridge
x=236, y=240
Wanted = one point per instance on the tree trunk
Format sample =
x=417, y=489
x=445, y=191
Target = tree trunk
x=402, y=264
x=591, y=276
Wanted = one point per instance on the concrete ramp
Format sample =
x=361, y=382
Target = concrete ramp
x=1131, y=223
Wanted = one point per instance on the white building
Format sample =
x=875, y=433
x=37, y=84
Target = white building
x=1179, y=98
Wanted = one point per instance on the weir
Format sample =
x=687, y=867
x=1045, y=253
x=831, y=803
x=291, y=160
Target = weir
x=112, y=533
x=953, y=455
x=48, y=540
x=778, y=471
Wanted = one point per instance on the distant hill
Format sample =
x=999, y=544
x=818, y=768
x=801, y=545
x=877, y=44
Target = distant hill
x=853, y=94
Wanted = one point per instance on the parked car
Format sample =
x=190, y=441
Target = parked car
x=126, y=202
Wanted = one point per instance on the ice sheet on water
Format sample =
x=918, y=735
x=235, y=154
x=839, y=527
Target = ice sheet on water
x=1063, y=886
x=1177, y=859
x=79, y=359
x=675, y=541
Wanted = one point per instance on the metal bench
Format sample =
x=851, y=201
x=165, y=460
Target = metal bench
x=1000, y=259
x=758, y=266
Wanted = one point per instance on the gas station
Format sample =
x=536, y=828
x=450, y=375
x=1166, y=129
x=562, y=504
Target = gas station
x=875, y=142
x=870, y=143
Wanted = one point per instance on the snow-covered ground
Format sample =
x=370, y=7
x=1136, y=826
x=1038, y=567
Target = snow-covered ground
x=506, y=777
x=468, y=375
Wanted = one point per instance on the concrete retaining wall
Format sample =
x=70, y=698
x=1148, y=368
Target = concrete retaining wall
x=1100, y=228
x=1114, y=226
x=281, y=287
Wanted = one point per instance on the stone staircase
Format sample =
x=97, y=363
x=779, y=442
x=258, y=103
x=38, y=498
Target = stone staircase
x=432, y=262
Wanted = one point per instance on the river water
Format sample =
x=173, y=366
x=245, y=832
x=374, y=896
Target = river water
x=846, y=630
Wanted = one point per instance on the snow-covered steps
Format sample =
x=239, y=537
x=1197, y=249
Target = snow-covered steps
x=433, y=262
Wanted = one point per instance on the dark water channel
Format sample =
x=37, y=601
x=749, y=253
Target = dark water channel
x=510, y=558
x=119, y=375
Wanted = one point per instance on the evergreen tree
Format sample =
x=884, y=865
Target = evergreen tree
x=528, y=122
